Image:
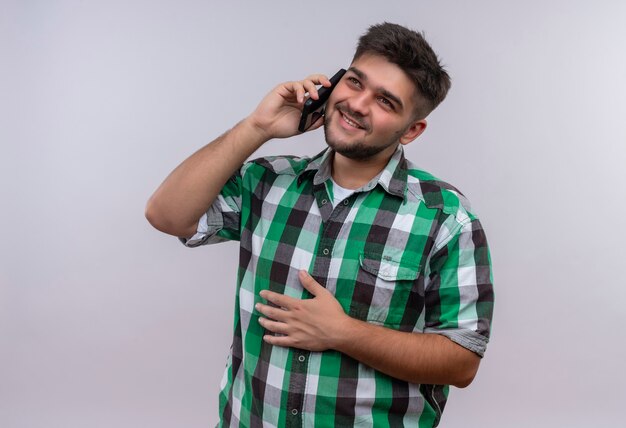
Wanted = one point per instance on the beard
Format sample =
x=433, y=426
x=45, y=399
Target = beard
x=356, y=150
x=359, y=149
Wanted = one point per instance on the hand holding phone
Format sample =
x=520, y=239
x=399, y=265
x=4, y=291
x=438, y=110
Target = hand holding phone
x=314, y=109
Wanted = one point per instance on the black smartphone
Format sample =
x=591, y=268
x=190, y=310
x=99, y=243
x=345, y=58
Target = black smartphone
x=314, y=109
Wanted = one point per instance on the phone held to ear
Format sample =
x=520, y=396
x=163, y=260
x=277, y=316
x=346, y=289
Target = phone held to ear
x=314, y=109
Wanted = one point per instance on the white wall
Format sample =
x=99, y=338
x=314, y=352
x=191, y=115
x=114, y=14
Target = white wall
x=104, y=322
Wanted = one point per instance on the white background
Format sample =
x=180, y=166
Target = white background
x=105, y=322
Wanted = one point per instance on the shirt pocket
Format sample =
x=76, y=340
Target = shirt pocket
x=386, y=291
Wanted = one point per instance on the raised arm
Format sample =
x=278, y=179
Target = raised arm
x=187, y=193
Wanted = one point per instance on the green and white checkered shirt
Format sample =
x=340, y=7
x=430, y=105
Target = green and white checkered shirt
x=403, y=251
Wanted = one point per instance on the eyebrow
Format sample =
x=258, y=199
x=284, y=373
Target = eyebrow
x=382, y=90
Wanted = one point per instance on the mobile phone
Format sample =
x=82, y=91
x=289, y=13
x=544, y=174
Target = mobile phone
x=314, y=109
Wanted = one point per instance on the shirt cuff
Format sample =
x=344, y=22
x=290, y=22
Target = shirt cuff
x=468, y=339
x=209, y=224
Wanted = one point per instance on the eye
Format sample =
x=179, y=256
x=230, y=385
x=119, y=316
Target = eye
x=354, y=81
x=386, y=102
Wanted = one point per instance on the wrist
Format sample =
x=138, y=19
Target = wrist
x=349, y=330
x=253, y=132
x=256, y=129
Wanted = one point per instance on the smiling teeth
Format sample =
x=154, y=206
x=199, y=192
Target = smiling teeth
x=350, y=122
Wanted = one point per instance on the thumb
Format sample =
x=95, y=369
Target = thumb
x=309, y=283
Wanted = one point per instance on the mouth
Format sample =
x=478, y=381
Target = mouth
x=350, y=121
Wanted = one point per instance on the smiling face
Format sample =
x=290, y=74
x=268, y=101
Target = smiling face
x=371, y=110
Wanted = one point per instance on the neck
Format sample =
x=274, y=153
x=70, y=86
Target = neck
x=353, y=173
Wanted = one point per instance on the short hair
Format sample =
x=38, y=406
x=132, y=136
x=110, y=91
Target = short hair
x=411, y=52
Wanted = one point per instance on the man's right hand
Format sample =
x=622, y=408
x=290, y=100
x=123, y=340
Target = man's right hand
x=192, y=187
x=278, y=114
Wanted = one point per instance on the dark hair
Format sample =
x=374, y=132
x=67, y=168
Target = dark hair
x=410, y=51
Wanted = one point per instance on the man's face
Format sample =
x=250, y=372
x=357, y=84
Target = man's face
x=370, y=110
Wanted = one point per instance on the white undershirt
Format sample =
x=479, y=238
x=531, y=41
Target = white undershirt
x=340, y=193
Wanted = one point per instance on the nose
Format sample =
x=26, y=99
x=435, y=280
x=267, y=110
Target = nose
x=358, y=103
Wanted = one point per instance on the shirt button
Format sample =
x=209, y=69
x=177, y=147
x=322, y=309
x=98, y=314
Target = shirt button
x=294, y=412
x=326, y=251
x=324, y=201
x=345, y=202
x=301, y=358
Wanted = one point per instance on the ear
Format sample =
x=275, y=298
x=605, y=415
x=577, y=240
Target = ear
x=413, y=131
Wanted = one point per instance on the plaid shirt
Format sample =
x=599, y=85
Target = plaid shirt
x=404, y=252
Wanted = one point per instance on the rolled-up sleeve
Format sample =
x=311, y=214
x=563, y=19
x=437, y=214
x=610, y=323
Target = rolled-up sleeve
x=459, y=293
x=222, y=220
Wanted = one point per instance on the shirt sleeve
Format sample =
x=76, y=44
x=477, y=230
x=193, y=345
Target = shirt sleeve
x=222, y=220
x=459, y=291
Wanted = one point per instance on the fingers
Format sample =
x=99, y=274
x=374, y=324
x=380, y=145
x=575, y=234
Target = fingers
x=284, y=341
x=278, y=299
x=311, y=82
x=287, y=302
x=321, y=78
x=274, y=326
x=309, y=283
x=306, y=86
x=277, y=314
x=288, y=89
x=311, y=88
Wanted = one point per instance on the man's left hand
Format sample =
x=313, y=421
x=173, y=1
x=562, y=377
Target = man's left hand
x=313, y=324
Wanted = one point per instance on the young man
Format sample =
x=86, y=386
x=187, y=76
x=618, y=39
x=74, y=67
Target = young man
x=364, y=284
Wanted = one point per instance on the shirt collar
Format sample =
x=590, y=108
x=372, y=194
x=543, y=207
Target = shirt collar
x=393, y=178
